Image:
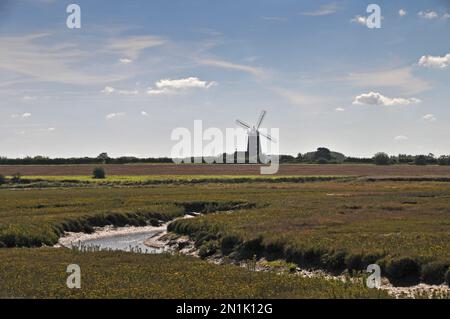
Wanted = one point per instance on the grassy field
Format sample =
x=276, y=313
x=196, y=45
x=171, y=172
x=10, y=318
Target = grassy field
x=41, y=273
x=334, y=225
x=228, y=169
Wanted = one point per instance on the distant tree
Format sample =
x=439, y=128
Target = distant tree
x=322, y=152
x=322, y=161
x=444, y=160
x=98, y=173
x=421, y=160
x=103, y=157
x=2, y=179
x=299, y=157
x=381, y=159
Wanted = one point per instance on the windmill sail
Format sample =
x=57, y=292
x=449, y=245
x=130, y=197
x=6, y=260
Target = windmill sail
x=260, y=119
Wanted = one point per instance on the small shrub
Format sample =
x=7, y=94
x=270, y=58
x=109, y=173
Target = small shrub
x=2, y=179
x=402, y=268
x=251, y=248
x=354, y=262
x=98, y=173
x=434, y=273
x=228, y=243
x=208, y=249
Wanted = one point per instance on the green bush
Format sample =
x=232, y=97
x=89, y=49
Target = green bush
x=208, y=249
x=98, y=173
x=251, y=248
x=228, y=243
x=434, y=273
x=402, y=268
x=354, y=262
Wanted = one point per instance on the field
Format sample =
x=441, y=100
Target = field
x=126, y=275
x=228, y=169
x=334, y=222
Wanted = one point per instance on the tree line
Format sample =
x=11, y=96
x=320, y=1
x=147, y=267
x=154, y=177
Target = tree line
x=321, y=156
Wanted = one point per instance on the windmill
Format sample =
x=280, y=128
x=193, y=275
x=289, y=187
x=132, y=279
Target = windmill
x=254, y=154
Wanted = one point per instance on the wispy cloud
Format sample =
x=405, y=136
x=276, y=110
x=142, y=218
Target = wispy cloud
x=399, y=78
x=34, y=58
x=323, y=10
x=401, y=138
x=132, y=46
x=428, y=15
x=233, y=66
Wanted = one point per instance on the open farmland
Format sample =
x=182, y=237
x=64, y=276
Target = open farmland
x=228, y=169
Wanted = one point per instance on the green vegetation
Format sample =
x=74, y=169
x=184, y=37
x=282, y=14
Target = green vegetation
x=404, y=227
x=381, y=159
x=334, y=225
x=28, y=220
x=99, y=173
x=41, y=273
x=143, y=180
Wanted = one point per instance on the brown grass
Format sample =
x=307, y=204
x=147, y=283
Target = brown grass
x=229, y=169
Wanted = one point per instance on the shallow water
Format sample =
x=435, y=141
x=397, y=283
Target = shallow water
x=125, y=242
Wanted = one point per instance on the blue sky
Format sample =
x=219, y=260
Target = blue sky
x=136, y=70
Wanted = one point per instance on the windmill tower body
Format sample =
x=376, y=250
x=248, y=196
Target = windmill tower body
x=254, y=151
x=253, y=147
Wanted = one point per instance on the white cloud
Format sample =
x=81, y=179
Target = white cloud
x=114, y=115
x=168, y=86
x=401, y=12
x=429, y=15
x=429, y=117
x=440, y=62
x=446, y=15
x=125, y=60
x=108, y=90
x=340, y=109
x=323, y=10
x=375, y=98
x=143, y=113
x=359, y=20
x=51, y=129
x=23, y=115
x=401, y=138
